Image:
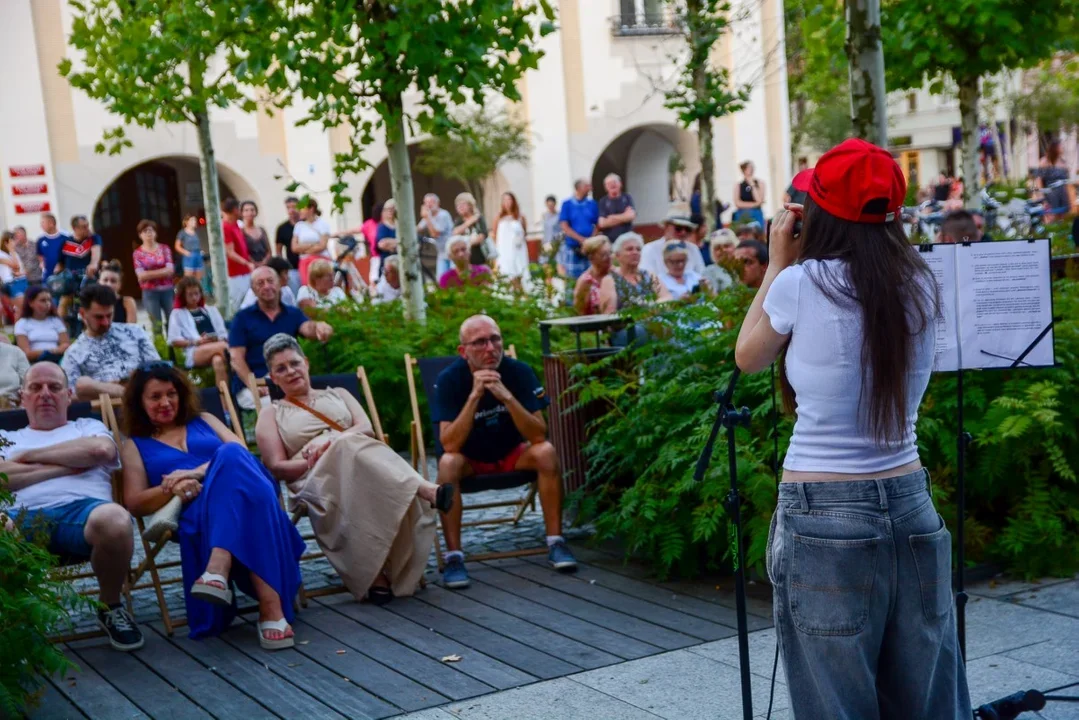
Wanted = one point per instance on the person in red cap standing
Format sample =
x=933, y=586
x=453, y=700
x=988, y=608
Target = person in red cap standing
x=859, y=559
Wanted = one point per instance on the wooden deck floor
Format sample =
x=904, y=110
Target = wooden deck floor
x=519, y=623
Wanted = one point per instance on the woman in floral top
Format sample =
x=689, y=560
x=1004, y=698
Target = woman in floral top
x=154, y=269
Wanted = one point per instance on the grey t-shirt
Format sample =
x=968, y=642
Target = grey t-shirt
x=190, y=241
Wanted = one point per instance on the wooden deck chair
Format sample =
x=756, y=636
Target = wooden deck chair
x=429, y=369
x=360, y=388
x=16, y=419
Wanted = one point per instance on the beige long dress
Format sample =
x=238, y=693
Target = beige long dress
x=361, y=498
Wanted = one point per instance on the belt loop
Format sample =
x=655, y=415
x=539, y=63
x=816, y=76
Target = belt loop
x=928, y=482
x=883, y=494
x=802, y=496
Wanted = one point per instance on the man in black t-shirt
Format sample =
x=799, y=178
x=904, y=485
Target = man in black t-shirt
x=283, y=241
x=489, y=409
x=616, y=209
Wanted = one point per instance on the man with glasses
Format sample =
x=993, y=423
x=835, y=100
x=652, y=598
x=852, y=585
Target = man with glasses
x=489, y=410
x=103, y=357
x=677, y=226
x=59, y=472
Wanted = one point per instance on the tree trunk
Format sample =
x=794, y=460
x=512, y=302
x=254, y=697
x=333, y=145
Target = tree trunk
x=401, y=183
x=704, y=124
x=968, y=118
x=211, y=200
x=868, y=106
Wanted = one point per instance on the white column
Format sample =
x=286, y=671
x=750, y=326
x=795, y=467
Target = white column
x=551, y=171
x=25, y=154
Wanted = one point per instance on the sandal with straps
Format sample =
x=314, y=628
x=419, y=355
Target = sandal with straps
x=203, y=590
x=280, y=643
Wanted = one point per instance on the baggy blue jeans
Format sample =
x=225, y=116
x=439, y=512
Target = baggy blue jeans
x=863, y=604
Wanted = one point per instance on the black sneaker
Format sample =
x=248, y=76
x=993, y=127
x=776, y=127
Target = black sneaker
x=118, y=624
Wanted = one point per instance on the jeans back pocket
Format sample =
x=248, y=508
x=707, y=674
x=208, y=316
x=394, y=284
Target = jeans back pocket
x=831, y=583
x=933, y=561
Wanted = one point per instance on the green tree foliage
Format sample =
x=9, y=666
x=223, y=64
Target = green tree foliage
x=965, y=41
x=1022, y=488
x=474, y=147
x=152, y=61
x=1052, y=99
x=34, y=602
x=704, y=92
x=357, y=60
x=818, y=78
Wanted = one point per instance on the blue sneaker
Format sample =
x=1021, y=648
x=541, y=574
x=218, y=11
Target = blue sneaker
x=454, y=574
x=560, y=558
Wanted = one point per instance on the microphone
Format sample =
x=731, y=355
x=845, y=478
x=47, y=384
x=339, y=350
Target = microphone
x=1009, y=708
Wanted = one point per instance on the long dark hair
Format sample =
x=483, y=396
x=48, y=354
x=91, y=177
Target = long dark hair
x=31, y=295
x=135, y=421
x=896, y=293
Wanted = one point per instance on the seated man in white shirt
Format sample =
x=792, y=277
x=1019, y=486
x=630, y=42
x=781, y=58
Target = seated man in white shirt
x=59, y=472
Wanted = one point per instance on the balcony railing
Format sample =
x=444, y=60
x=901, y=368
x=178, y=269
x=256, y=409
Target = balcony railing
x=663, y=21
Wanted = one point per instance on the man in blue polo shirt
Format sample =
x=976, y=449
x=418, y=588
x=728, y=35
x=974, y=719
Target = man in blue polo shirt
x=489, y=410
x=253, y=326
x=51, y=244
x=578, y=219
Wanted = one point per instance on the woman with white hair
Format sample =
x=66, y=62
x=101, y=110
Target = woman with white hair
x=388, y=288
x=634, y=286
x=470, y=223
x=595, y=292
x=319, y=291
x=721, y=247
x=679, y=280
x=372, y=514
x=462, y=272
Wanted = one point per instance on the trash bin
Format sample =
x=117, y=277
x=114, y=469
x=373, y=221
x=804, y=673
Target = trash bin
x=569, y=419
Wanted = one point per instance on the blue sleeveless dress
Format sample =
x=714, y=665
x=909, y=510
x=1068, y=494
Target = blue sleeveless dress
x=237, y=511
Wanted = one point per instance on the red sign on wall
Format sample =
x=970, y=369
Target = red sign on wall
x=34, y=206
x=30, y=189
x=26, y=170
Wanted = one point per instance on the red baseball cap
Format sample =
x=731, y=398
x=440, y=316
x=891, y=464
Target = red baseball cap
x=859, y=182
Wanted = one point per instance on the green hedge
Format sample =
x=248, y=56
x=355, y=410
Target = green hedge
x=1022, y=493
x=377, y=337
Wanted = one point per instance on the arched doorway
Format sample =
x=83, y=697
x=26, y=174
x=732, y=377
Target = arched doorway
x=379, y=189
x=162, y=190
x=642, y=157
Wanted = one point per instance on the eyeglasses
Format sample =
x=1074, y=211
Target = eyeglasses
x=480, y=343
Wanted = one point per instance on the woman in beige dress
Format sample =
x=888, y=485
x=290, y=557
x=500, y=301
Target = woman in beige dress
x=372, y=514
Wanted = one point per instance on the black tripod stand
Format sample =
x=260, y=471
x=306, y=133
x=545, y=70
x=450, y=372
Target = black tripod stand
x=727, y=416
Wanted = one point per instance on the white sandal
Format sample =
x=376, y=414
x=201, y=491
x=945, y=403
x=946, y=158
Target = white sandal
x=279, y=644
x=211, y=593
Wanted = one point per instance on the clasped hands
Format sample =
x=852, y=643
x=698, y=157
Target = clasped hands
x=312, y=453
x=184, y=484
x=489, y=381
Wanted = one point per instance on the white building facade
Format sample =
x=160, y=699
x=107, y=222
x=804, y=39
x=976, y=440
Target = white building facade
x=594, y=105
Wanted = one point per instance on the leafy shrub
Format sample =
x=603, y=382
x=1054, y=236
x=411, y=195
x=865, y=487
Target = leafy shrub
x=1022, y=492
x=34, y=601
x=377, y=337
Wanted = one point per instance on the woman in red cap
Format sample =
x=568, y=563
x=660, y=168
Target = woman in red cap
x=859, y=558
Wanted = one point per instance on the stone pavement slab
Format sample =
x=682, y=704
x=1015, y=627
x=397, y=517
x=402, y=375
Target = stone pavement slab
x=1062, y=598
x=561, y=698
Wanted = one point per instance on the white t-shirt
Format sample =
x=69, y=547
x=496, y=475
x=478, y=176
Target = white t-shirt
x=824, y=366
x=334, y=296
x=6, y=273
x=384, y=292
x=42, y=334
x=91, y=483
x=312, y=232
x=652, y=258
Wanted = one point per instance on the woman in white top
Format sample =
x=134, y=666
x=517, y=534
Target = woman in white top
x=859, y=559
x=388, y=287
x=13, y=369
x=198, y=330
x=510, y=229
x=319, y=290
x=39, y=333
x=310, y=238
x=679, y=280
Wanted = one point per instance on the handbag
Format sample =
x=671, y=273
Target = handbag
x=167, y=519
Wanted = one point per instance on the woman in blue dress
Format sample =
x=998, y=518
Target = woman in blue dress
x=232, y=527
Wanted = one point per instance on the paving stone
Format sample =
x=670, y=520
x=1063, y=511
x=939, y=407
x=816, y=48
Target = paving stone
x=562, y=698
x=762, y=648
x=681, y=685
x=1062, y=598
x=994, y=677
x=996, y=626
x=1003, y=586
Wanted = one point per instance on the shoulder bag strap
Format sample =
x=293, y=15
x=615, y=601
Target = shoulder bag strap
x=332, y=425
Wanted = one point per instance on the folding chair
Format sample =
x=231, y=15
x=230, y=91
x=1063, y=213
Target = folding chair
x=356, y=384
x=429, y=371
